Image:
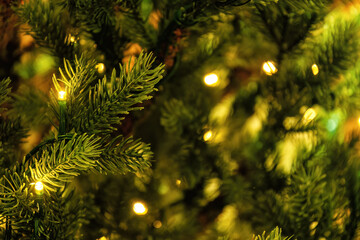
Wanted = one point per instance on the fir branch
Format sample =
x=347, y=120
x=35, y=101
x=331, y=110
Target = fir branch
x=16, y=199
x=298, y=6
x=274, y=235
x=312, y=196
x=175, y=116
x=135, y=28
x=64, y=160
x=122, y=155
x=111, y=99
x=306, y=5
x=65, y=213
x=78, y=81
x=94, y=13
x=286, y=28
x=11, y=132
x=36, y=115
x=47, y=26
x=4, y=92
x=99, y=19
x=335, y=49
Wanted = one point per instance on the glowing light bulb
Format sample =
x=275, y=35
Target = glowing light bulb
x=157, y=224
x=62, y=95
x=208, y=135
x=310, y=114
x=72, y=39
x=211, y=80
x=139, y=208
x=39, y=187
x=103, y=238
x=100, y=67
x=269, y=68
x=315, y=69
x=178, y=182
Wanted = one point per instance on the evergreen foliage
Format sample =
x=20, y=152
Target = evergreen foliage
x=274, y=149
x=274, y=235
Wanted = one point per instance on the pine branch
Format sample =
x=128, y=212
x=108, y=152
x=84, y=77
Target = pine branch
x=65, y=213
x=175, y=116
x=93, y=13
x=99, y=19
x=274, y=235
x=62, y=161
x=36, y=115
x=78, y=81
x=286, y=28
x=306, y=5
x=134, y=23
x=11, y=133
x=16, y=200
x=122, y=155
x=4, y=92
x=108, y=100
x=335, y=49
x=47, y=26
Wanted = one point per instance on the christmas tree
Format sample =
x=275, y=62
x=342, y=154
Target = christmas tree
x=147, y=119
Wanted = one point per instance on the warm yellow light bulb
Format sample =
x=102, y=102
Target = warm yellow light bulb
x=315, y=69
x=208, y=135
x=62, y=95
x=157, y=224
x=72, y=39
x=310, y=114
x=178, y=182
x=211, y=80
x=100, y=67
x=39, y=187
x=139, y=208
x=269, y=68
x=103, y=238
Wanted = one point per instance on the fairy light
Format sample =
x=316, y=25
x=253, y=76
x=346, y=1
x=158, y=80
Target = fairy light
x=39, y=187
x=157, y=224
x=211, y=80
x=100, y=67
x=269, y=68
x=208, y=135
x=139, y=208
x=72, y=39
x=62, y=95
x=178, y=182
x=315, y=69
x=310, y=114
